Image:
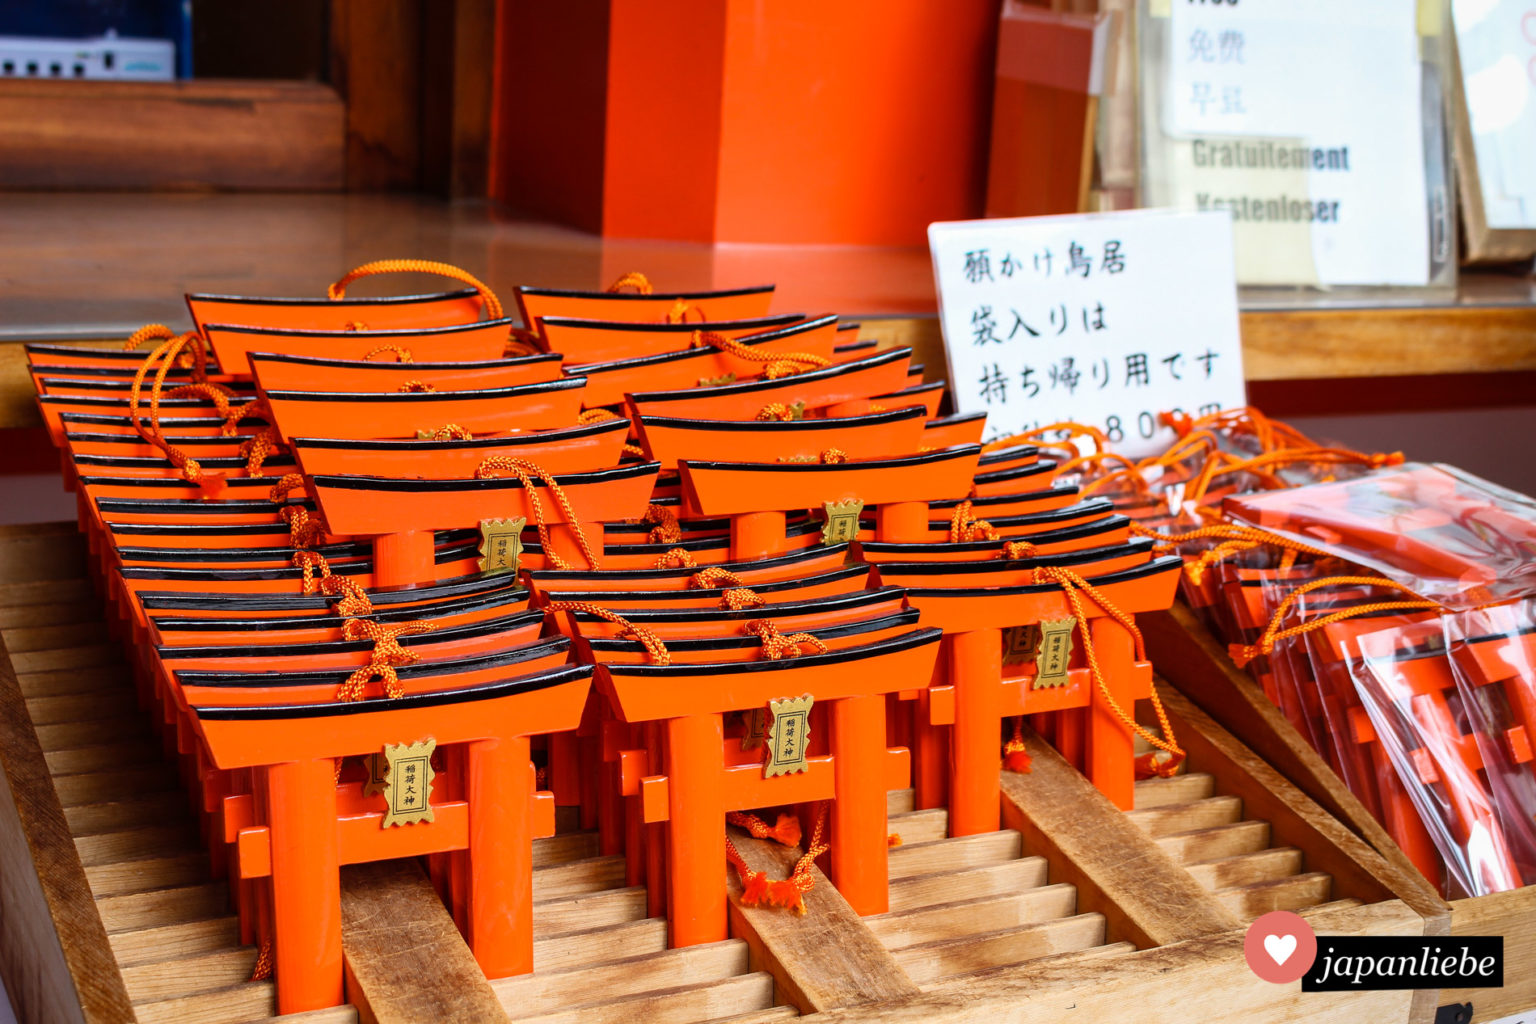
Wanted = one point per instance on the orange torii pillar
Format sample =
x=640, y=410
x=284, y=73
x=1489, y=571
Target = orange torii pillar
x=304, y=827
x=706, y=777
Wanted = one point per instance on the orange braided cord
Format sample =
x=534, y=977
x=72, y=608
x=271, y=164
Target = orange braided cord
x=676, y=558
x=776, y=645
x=757, y=890
x=598, y=415
x=964, y=527
x=161, y=359
x=633, y=449
x=1015, y=757
x=632, y=281
x=776, y=364
x=413, y=386
x=219, y=395
x=775, y=411
x=785, y=830
x=1073, y=585
x=387, y=653
x=1015, y=549
x=304, y=530
x=714, y=576
x=264, y=959
x=492, y=303
x=402, y=354
x=739, y=598
x=525, y=471
x=1242, y=654
x=681, y=311
x=655, y=648
x=1235, y=538
x=664, y=525
x=446, y=432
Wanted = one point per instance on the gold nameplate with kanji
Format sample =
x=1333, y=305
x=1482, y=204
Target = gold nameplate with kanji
x=842, y=521
x=408, y=782
x=501, y=544
x=756, y=721
x=1055, y=654
x=789, y=733
x=376, y=766
x=1020, y=644
x=713, y=382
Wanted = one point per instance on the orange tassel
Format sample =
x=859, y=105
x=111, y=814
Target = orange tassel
x=786, y=893
x=213, y=484
x=755, y=889
x=893, y=840
x=786, y=830
x=1017, y=761
x=1159, y=763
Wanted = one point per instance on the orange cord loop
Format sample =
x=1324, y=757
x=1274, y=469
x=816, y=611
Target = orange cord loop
x=1242, y=654
x=413, y=386
x=776, y=364
x=664, y=525
x=492, y=303
x=682, y=310
x=387, y=653
x=1073, y=586
x=596, y=416
x=776, y=645
x=785, y=830
x=526, y=471
x=632, y=281
x=401, y=353
x=676, y=558
x=161, y=359
x=965, y=527
x=655, y=647
x=446, y=432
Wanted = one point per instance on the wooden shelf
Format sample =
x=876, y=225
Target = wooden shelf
x=98, y=266
x=203, y=134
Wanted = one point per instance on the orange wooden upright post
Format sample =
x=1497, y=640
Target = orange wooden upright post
x=403, y=558
x=756, y=534
x=306, y=884
x=858, y=813
x=1111, y=747
x=902, y=522
x=975, y=671
x=696, y=829
x=499, y=787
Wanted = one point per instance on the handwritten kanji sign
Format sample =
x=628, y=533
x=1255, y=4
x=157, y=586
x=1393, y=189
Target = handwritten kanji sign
x=1107, y=319
x=501, y=544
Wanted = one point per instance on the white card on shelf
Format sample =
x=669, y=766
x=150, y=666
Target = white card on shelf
x=1106, y=319
x=1304, y=119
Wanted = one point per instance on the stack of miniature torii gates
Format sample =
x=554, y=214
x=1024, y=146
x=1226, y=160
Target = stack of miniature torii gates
x=401, y=577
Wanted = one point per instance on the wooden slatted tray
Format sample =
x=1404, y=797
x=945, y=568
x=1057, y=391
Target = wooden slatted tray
x=1075, y=911
x=1195, y=662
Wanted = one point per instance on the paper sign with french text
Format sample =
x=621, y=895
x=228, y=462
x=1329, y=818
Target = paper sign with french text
x=1106, y=319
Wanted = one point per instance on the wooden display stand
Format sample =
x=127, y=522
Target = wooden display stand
x=111, y=915
x=1192, y=660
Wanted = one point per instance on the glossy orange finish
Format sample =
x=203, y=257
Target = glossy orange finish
x=667, y=439
x=794, y=565
x=734, y=304
x=817, y=389
x=729, y=488
x=953, y=430
x=364, y=416
x=564, y=450
x=1149, y=588
x=842, y=580
x=748, y=647
x=927, y=395
x=368, y=506
x=466, y=342
x=608, y=383
x=1098, y=533
x=310, y=373
x=595, y=341
x=402, y=312
x=789, y=616
x=998, y=572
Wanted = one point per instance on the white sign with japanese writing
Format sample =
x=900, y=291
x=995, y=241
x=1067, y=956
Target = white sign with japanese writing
x=1304, y=118
x=1107, y=319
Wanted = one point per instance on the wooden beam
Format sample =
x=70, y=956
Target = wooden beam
x=1203, y=979
x=823, y=959
x=405, y=960
x=192, y=135
x=1118, y=869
